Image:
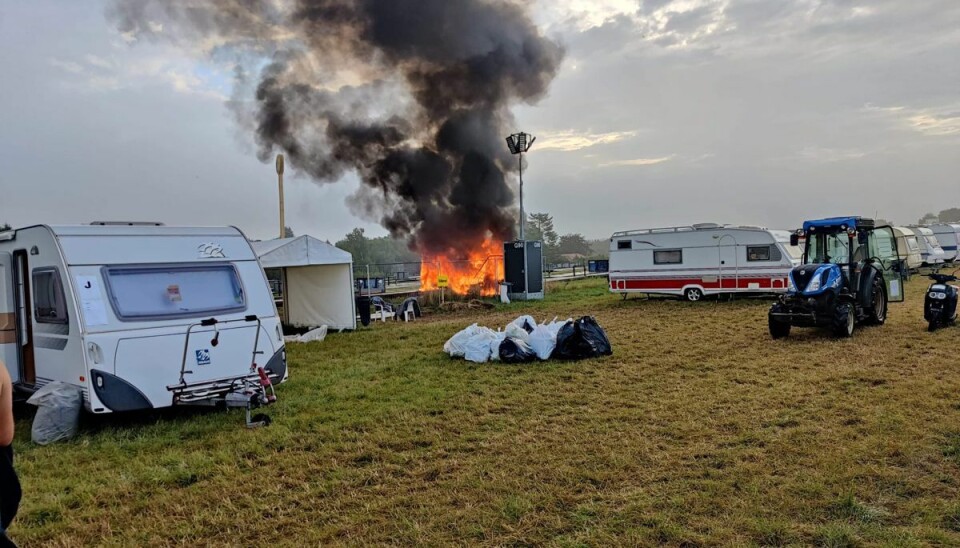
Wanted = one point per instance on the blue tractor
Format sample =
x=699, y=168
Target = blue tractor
x=851, y=270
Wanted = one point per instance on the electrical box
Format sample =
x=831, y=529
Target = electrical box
x=523, y=269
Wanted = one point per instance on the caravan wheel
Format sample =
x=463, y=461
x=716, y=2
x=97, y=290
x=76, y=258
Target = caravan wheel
x=693, y=294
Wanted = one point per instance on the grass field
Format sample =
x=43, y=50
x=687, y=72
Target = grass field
x=699, y=430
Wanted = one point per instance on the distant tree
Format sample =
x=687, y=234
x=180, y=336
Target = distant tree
x=574, y=243
x=542, y=223
x=951, y=215
x=358, y=245
x=928, y=219
x=288, y=232
x=599, y=249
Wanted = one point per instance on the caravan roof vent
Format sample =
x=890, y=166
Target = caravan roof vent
x=125, y=223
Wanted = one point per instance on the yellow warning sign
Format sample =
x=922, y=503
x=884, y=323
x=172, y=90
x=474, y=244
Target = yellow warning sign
x=442, y=281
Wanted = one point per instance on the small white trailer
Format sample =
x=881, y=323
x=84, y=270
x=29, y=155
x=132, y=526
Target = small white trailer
x=930, y=251
x=139, y=315
x=947, y=238
x=702, y=259
x=908, y=247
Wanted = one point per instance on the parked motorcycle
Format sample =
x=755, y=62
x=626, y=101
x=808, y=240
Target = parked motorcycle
x=940, y=304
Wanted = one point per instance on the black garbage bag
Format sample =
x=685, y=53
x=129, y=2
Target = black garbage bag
x=583, y=338
x=516, y=351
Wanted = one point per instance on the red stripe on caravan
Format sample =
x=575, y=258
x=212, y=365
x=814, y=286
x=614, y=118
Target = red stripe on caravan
x=676, y=284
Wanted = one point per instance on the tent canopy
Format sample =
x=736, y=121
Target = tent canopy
x=300, y=251
x=317, y=281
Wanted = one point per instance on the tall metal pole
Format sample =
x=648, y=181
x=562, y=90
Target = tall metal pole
x=283, y=225
x=523, y=218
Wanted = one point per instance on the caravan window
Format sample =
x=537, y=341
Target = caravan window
x=763, y=253
x=624, y=244
x=165, y=292
x=49, y=304
x=671, y=256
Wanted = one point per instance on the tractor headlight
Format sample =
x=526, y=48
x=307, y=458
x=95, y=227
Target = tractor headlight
x=814, y=284
x=791, y=287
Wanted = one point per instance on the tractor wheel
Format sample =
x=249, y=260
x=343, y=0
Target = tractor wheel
x=778, y=329
x=877, y=313
x=844, y=320
x=693, y=294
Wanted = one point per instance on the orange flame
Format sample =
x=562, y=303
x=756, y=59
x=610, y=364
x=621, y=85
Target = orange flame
x=479, y=268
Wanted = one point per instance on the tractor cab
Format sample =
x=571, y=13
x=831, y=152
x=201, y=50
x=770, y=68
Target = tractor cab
x=849, y=272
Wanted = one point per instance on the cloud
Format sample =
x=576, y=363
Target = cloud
x=68, y=66
x=571, y=140
x=941, y=121
x=637, y=162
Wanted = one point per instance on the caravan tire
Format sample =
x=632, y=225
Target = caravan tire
x=844, y=320
x=693, y=294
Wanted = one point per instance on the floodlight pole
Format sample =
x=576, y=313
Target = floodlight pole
x=523, y=218
x=518, y=143
x=283, y=226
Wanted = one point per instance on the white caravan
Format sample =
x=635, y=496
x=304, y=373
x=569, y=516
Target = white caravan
x=139, y=316
x=930, y=250
x=908, y=247
x=702, y=259
x=947, y=237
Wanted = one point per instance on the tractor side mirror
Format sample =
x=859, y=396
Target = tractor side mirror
x=863, y=237
x=794, y=239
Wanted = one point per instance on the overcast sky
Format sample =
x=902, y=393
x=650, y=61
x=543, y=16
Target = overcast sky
x=665, y=112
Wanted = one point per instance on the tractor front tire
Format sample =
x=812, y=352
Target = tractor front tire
x=778, y=329
x=844, y=320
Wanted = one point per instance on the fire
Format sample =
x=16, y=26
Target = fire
x=478, y=269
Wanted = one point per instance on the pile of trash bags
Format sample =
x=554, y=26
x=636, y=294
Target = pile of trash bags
x=523, y=340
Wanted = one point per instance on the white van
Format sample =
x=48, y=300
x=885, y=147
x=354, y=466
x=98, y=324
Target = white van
x=137, y=316
x=702, y=259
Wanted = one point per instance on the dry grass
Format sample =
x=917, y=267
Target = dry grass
x=698, y=430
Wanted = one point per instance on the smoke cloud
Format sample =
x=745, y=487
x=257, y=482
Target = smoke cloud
x=412, y=95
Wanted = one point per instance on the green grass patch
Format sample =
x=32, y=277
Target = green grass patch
x=698, y=431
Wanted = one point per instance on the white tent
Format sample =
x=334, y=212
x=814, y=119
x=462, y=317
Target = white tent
x=317, y=281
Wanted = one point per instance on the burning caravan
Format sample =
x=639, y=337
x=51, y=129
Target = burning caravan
x=139, y=316
x=702, y=259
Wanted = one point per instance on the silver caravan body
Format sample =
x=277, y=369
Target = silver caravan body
x=137, y=316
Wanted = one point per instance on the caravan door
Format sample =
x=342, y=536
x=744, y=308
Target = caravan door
x=8, y=318
x=728, y=268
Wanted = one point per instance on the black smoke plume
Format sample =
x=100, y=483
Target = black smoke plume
x=412, y=95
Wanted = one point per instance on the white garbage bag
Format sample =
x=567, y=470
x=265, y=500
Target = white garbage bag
x=477, y=348
x=542, y=341
x=456, y=345
x=524, y=322
x=58, y=412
